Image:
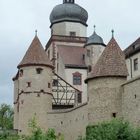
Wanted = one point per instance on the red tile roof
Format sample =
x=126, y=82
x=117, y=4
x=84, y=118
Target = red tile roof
x=35, y=55
x=111, y=63
x=72, y=55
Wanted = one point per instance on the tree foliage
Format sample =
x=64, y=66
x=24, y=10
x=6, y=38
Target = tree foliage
x=6, y=116
x=114, y=130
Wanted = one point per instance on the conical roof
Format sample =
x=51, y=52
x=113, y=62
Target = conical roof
x=111, y=63
x=35, y=55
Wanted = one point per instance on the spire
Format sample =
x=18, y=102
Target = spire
x=68, y=1
x=94, y=28
x=111, y=62
x=112, y=33
x=35, y=32
x=35, y=55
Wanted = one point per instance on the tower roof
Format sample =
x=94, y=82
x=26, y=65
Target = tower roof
x=111, y=63
x=35, y=55
x=95, y=39
x=68, y=11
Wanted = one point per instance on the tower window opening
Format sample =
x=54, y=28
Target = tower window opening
x=72, y=33
x=49, y=85
x=28, y=84
x=77, y=78
x=39, y=70
x=21, y=73
x=114, y=115
x=135, y=96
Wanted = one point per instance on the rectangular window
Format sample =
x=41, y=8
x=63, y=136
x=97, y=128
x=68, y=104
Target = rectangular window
x=77, y=79
x=28, y=84
x=49, y=85
x=135, y=64
x=55, y=82
x=79, y=98
x=72, y=33
x=39, y=70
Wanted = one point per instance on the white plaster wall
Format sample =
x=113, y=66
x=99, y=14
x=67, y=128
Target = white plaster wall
x=83, y=87
x=70, y=44
x=64, y=28
x=96, y=51
x=128, y=63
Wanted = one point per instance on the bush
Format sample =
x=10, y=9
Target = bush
x=114, y=130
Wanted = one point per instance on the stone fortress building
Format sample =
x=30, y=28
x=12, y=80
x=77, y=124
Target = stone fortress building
x=76, y=80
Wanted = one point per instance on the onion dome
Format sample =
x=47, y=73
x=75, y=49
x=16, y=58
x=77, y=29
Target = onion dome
x=35, y=55
x=68, y=11
x=111, y=63
x=95, y=39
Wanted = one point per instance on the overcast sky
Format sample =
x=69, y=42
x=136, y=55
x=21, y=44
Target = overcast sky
x=20, y=18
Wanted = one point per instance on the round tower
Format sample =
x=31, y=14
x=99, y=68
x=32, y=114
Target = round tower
x=34, y=94
x=69, y=19
x=104, y=84
x=94, y=46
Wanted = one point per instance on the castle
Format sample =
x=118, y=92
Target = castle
x=76, y=80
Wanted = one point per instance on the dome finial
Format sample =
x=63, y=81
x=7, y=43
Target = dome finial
x=112, y=33
x=94, y=28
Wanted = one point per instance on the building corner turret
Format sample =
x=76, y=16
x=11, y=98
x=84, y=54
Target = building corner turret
x=33, y=88
x=104, y=84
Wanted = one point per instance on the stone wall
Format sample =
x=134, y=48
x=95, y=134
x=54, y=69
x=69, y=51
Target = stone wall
x=33, y=99
x=131, y=101
x=104, y=98
x=71, y=123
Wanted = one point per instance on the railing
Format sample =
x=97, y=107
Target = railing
x=64, y=93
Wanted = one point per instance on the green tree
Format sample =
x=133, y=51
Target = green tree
x=6, y=116
x=114, y=130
